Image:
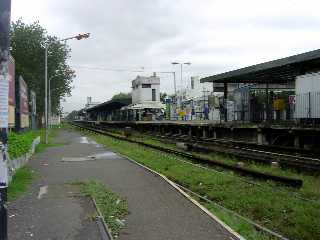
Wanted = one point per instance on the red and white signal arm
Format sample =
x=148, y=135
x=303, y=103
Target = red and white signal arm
x=292, y=99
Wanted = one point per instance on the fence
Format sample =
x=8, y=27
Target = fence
x=301, y=108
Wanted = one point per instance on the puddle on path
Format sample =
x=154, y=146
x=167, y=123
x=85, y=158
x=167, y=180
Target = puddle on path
x=103, y=155
x=84, y=140
x=77, y=159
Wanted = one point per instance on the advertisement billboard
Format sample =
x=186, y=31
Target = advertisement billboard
x=12, y=102
x=24, y=103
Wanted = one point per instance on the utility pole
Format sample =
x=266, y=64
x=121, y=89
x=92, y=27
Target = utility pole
x=78, y=37
x=181, y=67
x=5, y=13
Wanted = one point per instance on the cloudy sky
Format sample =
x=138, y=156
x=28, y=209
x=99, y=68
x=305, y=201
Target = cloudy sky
x=214, y=35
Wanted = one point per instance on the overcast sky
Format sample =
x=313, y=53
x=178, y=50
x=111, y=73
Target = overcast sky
x=214, y=35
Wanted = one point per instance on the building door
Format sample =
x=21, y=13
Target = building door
x=153, y=94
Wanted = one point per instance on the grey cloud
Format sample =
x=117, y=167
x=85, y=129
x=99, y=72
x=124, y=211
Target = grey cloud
x=152, y=33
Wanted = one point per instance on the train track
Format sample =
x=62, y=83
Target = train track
x=202, y=160
x=250, y=151
x=298, y=159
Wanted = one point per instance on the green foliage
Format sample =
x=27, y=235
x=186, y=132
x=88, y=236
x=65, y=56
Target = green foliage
x=28, y=49
x=72, y=115
x=121, y=96
x=163, y=96
x=20, y=182
x=112, y=207
x=279, y=210
x=20, y=143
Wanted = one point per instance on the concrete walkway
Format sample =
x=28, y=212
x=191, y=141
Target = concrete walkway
x=51, y=211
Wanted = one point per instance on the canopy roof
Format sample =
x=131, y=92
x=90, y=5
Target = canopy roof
x=145, y=105
x=110, y=105
x=277, y=71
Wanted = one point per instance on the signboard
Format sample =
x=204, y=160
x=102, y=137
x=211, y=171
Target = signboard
x=292, y=99
x=24, y=103
x=12, y=102
x=4, y=98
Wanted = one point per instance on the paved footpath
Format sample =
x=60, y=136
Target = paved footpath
x=52, y=210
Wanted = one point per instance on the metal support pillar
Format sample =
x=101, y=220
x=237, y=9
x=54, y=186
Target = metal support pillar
x=261, y=138
x=5, y=13
x=225, y=98
x=204, y=132
x=267, y=103
x=297, y=141
x=190, y=132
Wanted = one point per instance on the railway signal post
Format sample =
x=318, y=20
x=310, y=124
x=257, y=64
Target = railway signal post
x=5, y=12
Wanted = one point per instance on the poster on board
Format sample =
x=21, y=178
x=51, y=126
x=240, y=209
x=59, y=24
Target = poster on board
x=4, y=98
x=24, y=103
x=12, y=100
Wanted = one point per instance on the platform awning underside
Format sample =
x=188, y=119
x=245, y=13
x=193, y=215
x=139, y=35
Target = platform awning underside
x=282, y=70
x=110, y=105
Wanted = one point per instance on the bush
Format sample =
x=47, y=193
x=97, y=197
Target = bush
x=20, y=143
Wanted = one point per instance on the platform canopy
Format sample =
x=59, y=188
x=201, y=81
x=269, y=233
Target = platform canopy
x=281, y=70
x=145, y=105
x=110, y=105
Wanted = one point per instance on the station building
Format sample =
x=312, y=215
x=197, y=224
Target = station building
x=283, y=90
x=146, y=104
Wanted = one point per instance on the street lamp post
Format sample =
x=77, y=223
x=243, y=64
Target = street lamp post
x=181, y=65
x=49, y=108
x=78, y=37
x=174, y=81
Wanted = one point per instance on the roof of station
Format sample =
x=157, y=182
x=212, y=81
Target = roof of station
x=110, y=105
x=277, y=71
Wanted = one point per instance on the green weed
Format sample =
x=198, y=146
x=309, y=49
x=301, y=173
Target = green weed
x=113, y=207
x=20, y=182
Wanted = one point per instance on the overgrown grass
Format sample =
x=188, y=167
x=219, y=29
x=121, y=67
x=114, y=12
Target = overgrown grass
x=113, y=207
x=279, y=211
x=310, y=188
x=20, y=143
x=20, y=182
x=51, y=137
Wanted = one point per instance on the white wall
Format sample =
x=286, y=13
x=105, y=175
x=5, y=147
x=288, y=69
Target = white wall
x=308, y=83
x=140, y=94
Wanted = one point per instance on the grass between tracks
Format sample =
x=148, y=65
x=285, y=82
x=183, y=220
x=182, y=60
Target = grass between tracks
x=279, y=211
x=113, y=207
x=309, y=190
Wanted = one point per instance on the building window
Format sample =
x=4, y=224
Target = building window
x=153, y=95
x=146, y=85
x=192, y=83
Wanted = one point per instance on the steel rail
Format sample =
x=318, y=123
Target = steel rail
x=245, y=171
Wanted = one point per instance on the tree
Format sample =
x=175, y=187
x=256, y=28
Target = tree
x=121, y=96
x=163, y=96
x=28, y=49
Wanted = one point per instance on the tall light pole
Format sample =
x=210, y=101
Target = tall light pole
x=49, y=108
x=174, y=81
x=181, y=65
x=5, y=13
x=78, y=37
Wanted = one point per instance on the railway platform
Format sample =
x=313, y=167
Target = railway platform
x=156, y=210
x=290, y=135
